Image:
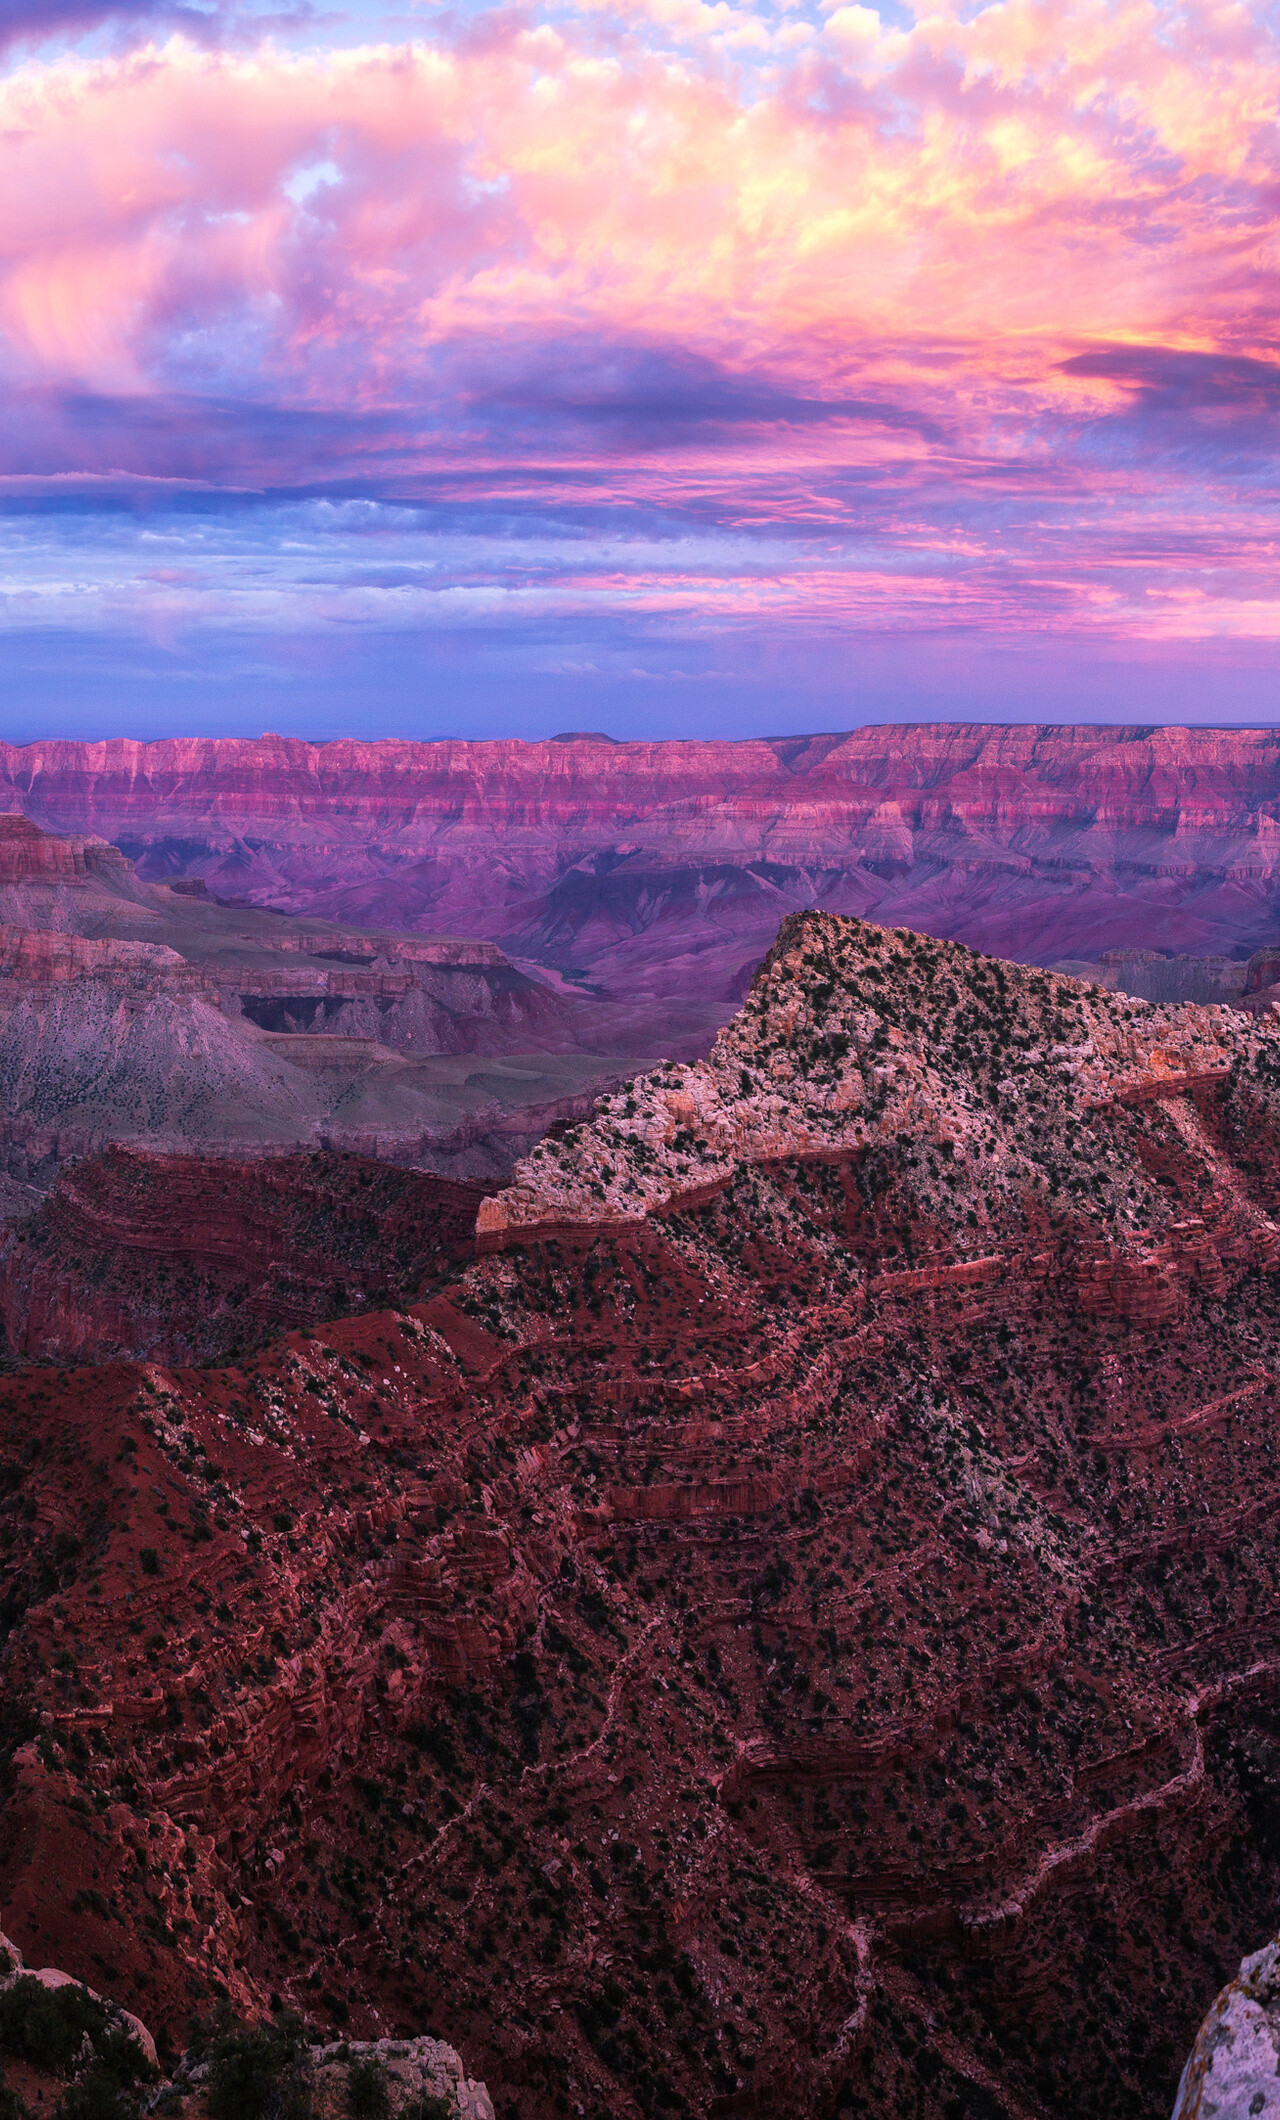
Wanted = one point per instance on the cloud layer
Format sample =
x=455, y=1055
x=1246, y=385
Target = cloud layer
x=665, y=322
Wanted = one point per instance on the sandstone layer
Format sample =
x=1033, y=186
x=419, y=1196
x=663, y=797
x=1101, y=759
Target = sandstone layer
x=661, y=870
x=794, y=1628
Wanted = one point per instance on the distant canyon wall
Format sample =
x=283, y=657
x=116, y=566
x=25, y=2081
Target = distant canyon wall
x=640, y=858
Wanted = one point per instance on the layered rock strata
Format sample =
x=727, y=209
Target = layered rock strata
x=133, y=1012
x=28, y=855
x=664, y=868
x=186, y=1257
x=793, y=1629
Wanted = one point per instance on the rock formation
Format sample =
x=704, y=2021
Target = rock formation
x=410, y=2067
x=130, y=1011
x=28, y=855
x=1233, y=2068
x=794, y=1628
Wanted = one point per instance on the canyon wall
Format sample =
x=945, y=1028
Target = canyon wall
x=147, y=1014
x=664, y=868
x=794, y=1627
x=28, y=855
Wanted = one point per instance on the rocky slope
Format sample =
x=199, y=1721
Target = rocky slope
x=187, y=1257
x=793, y=1628
x=131, y=1011
x=661, y=870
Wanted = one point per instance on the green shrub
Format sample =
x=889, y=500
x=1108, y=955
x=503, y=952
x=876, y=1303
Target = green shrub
x=95, y=2097
x=368, y=2096
x=259, y=2075
x=429, y=2106
x=120, y=2061
x=48, y=2025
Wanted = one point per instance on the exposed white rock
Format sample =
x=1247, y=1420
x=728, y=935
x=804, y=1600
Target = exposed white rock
x=412, y=2067
x=1232, y=2072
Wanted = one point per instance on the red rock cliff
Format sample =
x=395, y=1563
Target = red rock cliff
x=1046, y=841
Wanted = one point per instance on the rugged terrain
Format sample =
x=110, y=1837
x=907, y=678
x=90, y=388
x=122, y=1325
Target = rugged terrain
x=158, y=1015
x=188, y=1257
x=658, y=872
x=794, y=1628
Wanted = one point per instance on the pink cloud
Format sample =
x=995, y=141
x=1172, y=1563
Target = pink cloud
x=887, y=283
x=1063, y=173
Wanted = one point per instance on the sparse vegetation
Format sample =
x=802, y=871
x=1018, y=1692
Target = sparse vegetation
x=258, y=2073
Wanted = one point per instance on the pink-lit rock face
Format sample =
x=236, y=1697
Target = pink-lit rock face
x=28, y=855
x=663, y=869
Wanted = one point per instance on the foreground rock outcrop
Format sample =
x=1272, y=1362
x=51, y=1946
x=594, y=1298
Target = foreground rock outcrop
x=1233, y=2071
x=794, y=1627
x=853, y=1037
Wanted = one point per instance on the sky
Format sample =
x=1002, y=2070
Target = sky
x=664, y=367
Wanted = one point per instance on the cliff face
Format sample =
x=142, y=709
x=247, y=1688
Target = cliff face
x=135, y=1012
x=665, y=868
x=793, y=1628
x=1182, y=786
x=28, y=855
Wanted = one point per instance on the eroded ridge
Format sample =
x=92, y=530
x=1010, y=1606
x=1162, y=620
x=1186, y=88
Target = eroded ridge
x=853, y=1037
x=812, y=1646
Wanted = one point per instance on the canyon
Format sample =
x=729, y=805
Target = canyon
x=162, y=1016
x=653, y=876
x=778, y=1613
